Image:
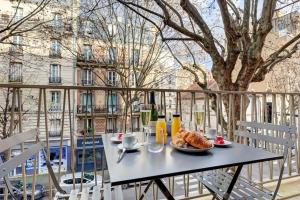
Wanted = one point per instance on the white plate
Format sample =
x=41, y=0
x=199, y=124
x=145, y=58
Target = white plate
x=191, y=149
x=226, y=143
x=115, y=139
x=135, y=147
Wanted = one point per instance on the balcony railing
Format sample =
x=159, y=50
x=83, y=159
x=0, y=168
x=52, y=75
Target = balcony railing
x=87, y=82
x=54, y=54
x=98, y=109
x=16, y=50
x=55, y=133
x=85, y=58
x=55, y=79
x=15, y=79
x=250, y=106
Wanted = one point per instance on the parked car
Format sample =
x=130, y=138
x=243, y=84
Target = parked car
x=18, y=191
x=66, y=182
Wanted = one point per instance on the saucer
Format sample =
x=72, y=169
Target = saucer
x=226, y=143
x=134, y=148
x=115, y=139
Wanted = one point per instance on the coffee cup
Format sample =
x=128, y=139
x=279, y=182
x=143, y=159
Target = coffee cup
x=212, y=132
x=129, y=140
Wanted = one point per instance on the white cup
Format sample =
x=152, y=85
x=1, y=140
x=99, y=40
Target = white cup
x=212, y=133
x=129, y=140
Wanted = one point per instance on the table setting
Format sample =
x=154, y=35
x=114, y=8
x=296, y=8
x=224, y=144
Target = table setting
x=156, y=153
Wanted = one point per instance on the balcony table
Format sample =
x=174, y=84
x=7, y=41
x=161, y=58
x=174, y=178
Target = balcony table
x=143, y=165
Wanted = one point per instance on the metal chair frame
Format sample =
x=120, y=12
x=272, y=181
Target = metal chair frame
x=7, y=166
x=217, y=182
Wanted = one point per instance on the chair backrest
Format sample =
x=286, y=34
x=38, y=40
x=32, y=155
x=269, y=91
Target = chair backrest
x=260, y=136
x=9, y=165
x=10, y=142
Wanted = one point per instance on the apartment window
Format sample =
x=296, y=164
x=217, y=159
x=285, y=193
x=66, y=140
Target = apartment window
x=135, y=123
x=87, y=52
x=88, y=28
x=281, y=25
x=17, y=14
x=112, y=77
x=55, y=127
x=55, y=74
x=15, y=73
x=170, y=79
x=56, y=21
x=55, y=47
x=135, y=57
x=112, y=53
x=17, y=40
x=55, y=97
x=112, y=102
x=111, y=125
x=134, y=76
x=170, y=103
x=85, y=102
x=87, y=125
x=87, y=77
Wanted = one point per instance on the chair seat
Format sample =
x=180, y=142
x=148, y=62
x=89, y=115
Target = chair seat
x=218, y=182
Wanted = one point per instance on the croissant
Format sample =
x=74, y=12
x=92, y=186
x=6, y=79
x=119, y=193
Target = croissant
x=179, y=140
x=198, y=141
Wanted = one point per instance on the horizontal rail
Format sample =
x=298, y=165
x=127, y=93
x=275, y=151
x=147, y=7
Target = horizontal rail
x=106, y=88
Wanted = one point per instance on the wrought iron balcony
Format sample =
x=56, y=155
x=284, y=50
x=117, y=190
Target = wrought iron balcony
x=55, y=133
x=15, y=78
x=86, y=82
x=55, y=79
x=16, y=50
x=55, y=54
x=98, y=109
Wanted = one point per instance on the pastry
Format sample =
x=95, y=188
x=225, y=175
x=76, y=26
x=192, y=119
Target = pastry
x=198, y=141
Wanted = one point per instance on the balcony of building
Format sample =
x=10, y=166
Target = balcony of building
x=55, y=80
x=98, y=110
x=87, y=82
x=15, y=50
x=84, y=157
x=15, y=78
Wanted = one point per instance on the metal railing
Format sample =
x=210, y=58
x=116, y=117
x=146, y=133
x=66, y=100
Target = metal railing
x=81, y=109
x=15, y=78
x=87, y=82
x=54, y=79
x=221, y=111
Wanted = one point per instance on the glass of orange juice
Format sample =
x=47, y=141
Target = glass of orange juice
x=176, y=123
x=161, y=128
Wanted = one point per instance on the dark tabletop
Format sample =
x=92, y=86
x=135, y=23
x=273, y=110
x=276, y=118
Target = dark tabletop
x=143, y=165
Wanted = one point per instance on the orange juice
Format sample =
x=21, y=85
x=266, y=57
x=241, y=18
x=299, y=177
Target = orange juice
x=175, y=125
x=161, y=128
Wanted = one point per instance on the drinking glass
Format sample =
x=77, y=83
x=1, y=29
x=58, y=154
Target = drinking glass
x=198, y=115
x=155, y=142
x=145, y=111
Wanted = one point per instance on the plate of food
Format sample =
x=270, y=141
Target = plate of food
x=220, y=142
x=191, y=142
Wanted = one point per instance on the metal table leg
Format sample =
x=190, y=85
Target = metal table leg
x=163, y=189
x=146, y=189
x=232, y=183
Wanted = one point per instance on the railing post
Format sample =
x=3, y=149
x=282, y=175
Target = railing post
x=22, y=144
x=298, y=138
x=72, y=140
x=47, y=139
x=38, y=126
x=93, y=136
x=62, y=134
